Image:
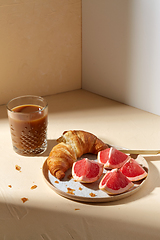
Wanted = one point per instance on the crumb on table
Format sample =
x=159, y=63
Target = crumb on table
x=34, y=186
x=24, y=199
x=18, y=168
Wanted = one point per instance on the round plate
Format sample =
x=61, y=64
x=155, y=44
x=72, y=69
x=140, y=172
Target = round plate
x=88, y=192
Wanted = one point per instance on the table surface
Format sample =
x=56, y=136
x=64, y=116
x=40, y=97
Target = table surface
x=47, y=215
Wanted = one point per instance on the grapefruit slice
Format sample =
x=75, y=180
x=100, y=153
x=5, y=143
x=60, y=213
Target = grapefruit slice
x=103, y=156
x=87, y=171
x=114, y=182
x=112, y=158
x=133, y=170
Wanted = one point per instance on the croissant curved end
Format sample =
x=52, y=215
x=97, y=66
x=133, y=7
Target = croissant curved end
x=59, y=174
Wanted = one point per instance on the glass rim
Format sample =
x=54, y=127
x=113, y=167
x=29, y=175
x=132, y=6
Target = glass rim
x=27, y=96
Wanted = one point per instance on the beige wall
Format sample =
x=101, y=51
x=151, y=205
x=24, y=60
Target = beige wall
x=40, y=47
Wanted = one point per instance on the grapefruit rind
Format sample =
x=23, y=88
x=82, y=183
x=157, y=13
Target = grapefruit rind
x=86, y=176
x=112, y=158
x=115, y=182
x=133, y=170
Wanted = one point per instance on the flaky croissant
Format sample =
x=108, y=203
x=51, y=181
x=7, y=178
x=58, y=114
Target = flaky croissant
x=72, y=145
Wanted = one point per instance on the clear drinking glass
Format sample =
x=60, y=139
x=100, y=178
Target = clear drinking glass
x=28, y=119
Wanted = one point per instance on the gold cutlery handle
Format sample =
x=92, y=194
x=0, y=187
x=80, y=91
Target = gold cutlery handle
x=140, y=151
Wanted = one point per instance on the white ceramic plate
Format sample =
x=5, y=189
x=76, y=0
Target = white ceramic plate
x=88, y=192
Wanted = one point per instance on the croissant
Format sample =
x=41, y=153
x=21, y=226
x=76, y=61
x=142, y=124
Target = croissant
x=72, y=145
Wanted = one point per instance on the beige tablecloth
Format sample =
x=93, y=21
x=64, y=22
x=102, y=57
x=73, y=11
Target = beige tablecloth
x=47, y=215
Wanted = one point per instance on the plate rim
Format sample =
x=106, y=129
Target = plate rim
x=112, y=198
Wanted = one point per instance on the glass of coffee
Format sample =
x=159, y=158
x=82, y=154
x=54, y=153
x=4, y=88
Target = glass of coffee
x=28, y=119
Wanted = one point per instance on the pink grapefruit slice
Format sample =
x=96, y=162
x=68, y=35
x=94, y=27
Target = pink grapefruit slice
x=87, y=171
x=103, y=156
x=133, y=170
x=114, y=182
x=112, y=158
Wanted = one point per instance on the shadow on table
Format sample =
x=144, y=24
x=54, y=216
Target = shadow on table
x=51, y=143
x=23, y=221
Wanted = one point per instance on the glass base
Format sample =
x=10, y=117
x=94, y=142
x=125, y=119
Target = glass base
x=31, y=152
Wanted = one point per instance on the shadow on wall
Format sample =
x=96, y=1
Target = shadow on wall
x=120, y=54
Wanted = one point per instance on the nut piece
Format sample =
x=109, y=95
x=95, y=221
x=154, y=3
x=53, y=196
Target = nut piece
x=34, y=186
x=24, y=199
x=17, y=167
